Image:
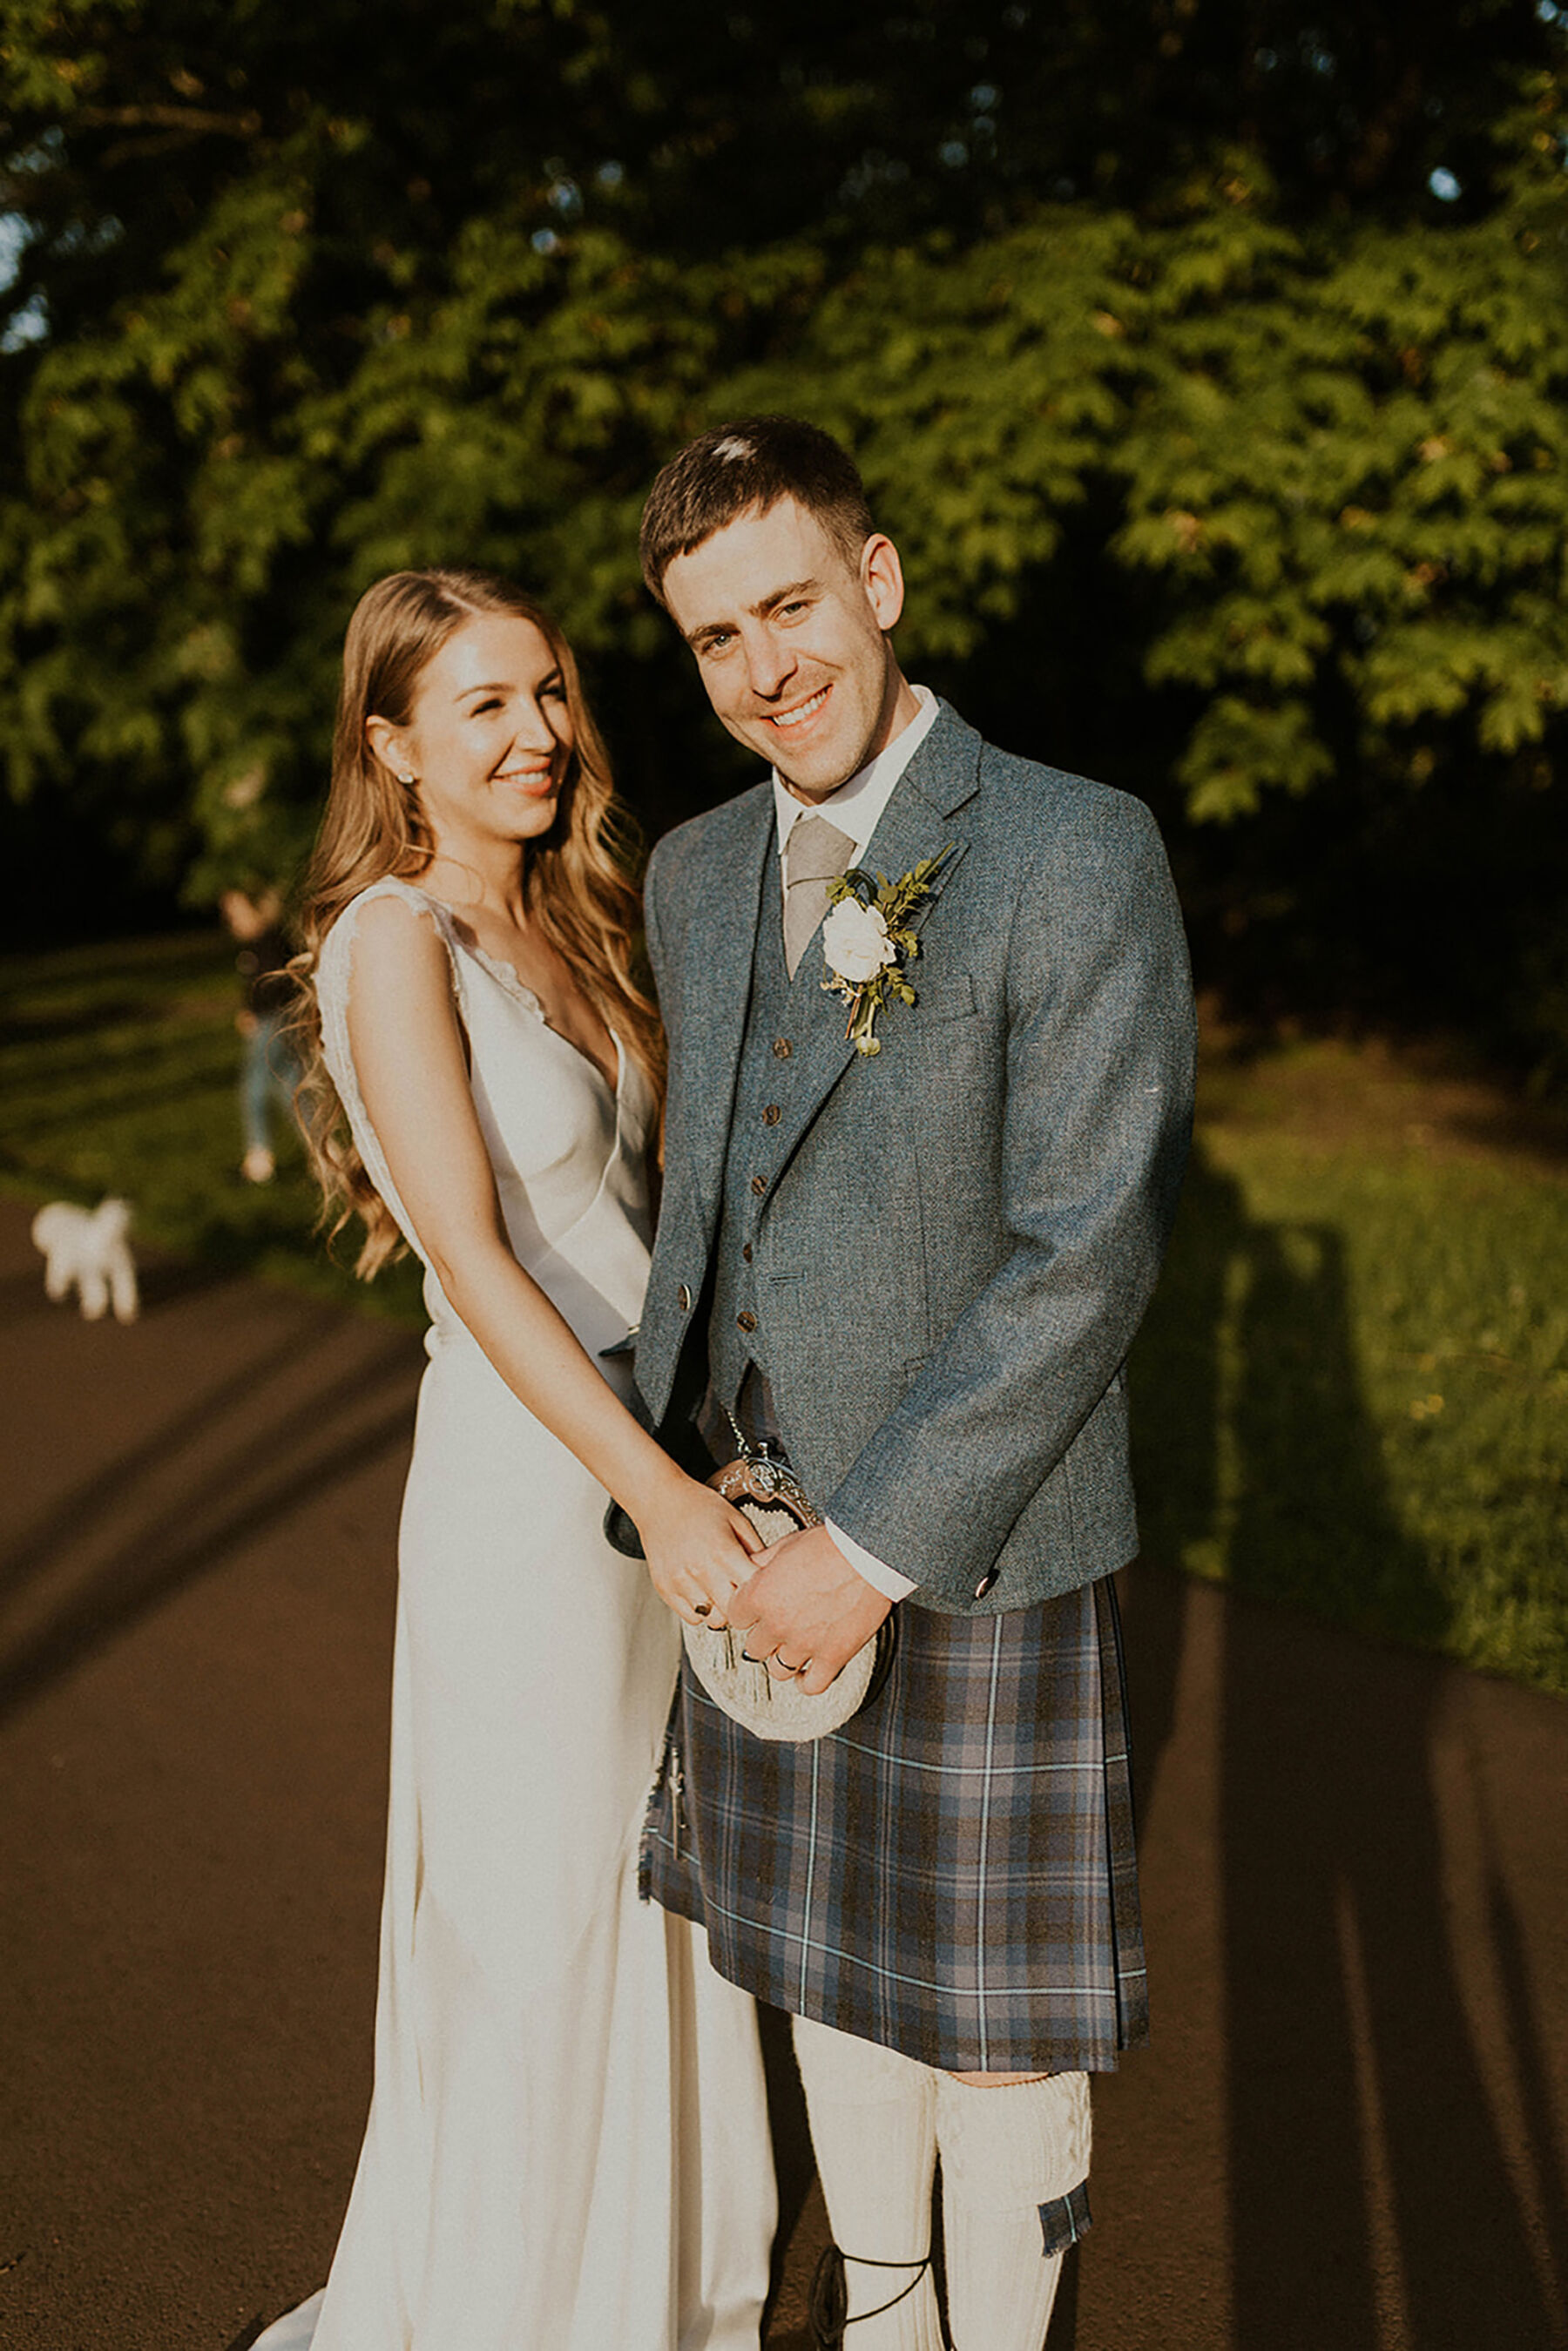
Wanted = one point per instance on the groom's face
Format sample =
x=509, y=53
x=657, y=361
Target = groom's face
x=790, y=641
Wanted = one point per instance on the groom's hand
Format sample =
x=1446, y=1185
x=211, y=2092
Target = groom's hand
x=804, y=1601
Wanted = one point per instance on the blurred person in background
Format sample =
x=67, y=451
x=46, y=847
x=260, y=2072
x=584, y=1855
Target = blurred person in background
x=567, y=2144
x=269, y=1071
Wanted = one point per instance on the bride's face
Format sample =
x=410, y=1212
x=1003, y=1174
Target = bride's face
x=490, y=736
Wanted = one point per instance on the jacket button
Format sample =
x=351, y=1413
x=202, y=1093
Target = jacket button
x=684, y=1298
x=746, y=1251
x=760, y=1185
x=782, y=1049
x=745, y=1322
x=985, y=1583
x=771, y=1115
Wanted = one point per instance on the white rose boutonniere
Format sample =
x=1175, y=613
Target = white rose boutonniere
x=868, y=943
x=856, y=943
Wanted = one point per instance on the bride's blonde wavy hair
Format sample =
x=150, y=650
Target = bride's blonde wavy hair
x=579, y=881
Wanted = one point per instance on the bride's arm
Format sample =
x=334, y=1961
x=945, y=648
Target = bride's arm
x=409, y=1059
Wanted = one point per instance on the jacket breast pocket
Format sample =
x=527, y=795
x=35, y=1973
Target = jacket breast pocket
x=946, y=995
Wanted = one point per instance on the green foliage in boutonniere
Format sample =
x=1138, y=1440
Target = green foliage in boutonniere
x=868, y=942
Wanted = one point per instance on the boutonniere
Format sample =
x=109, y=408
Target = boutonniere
x=868, y=942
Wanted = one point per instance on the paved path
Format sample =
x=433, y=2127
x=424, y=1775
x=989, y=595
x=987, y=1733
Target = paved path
x=1349, y=2135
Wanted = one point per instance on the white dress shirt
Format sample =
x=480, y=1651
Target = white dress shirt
x=856, y=809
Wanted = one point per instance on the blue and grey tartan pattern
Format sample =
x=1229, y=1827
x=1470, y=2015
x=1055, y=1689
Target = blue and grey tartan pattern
x=953, y=1874
x=1065, y=2221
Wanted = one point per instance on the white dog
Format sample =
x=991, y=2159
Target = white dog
x=88, y=1247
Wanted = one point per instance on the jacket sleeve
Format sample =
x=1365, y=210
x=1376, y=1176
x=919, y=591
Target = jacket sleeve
x=1098, y=1108
x=651, y=928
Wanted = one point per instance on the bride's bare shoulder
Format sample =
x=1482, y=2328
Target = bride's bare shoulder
x=394, y=950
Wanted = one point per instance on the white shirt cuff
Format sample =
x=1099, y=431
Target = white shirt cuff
x=876, y=1572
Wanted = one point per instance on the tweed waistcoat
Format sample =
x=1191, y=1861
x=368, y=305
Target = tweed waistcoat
x=738, y=1333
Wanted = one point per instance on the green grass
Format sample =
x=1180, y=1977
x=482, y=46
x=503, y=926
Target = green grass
x=1351, y=1395
x=119, y=1073
x=1351, y=1392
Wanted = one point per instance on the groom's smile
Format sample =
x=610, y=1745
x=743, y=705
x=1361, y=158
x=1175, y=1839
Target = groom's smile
x=802, y=713
x=790, y=639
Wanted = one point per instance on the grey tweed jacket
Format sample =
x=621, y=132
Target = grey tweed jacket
x=959, y=1236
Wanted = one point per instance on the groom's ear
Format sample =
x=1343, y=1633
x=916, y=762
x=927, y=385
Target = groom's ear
x=882, y=577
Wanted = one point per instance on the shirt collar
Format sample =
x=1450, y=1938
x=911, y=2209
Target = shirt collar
x=857, y=807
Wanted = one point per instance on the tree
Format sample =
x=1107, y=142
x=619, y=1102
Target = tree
x=1240, y=322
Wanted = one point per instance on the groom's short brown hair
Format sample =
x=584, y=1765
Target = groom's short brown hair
x=754, y=462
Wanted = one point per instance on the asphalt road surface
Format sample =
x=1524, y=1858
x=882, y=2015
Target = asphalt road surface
x=1348, y=2136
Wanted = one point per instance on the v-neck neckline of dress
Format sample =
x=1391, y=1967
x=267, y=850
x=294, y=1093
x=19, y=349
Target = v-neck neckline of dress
x=507, y=976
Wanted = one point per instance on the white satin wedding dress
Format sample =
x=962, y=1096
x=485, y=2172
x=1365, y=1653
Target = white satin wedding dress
x=567, y=2147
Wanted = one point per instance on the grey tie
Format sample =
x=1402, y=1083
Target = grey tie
x=813, y=854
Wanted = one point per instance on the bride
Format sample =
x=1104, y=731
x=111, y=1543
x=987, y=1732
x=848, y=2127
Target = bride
x=566, y=2147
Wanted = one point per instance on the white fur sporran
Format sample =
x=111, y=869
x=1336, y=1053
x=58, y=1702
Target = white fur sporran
x=767, y=1493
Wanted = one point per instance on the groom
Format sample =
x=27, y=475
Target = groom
x=916, y=1272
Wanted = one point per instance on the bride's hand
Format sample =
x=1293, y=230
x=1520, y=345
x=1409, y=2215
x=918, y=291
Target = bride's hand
x=699, y=1551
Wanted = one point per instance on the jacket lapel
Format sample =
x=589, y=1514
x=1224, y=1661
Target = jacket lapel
x=917, y=825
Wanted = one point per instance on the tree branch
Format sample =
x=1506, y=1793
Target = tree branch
x=193, y=119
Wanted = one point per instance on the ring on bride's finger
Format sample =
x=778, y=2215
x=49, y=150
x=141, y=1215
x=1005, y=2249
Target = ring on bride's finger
x=791, y=1669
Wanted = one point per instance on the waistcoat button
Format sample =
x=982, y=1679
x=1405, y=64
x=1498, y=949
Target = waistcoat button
x=771, y=1115
x=684, y=1298
x=760, y=1185
x=985, y=1583
x=746, y=1251
x=782, y=1049
x=745, y=1322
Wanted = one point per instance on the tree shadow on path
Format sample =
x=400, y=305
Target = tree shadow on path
x=1371, y=2203
x=272, y=1429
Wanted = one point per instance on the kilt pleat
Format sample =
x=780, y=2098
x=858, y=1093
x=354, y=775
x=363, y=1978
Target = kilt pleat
x=954, y=1872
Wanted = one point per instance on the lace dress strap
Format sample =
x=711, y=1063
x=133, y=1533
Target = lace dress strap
x=421, y=902
x=336, y=964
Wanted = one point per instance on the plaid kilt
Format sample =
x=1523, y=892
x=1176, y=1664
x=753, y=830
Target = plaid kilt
x=953, y=1873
